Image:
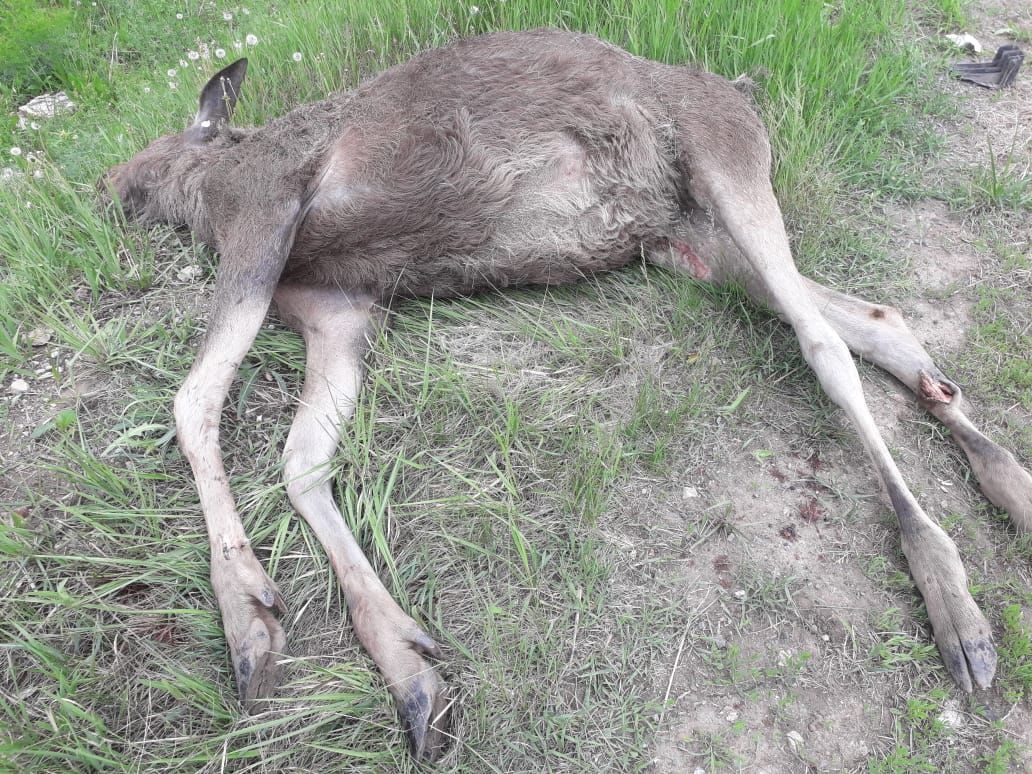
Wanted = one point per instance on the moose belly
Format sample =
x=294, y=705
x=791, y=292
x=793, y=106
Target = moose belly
x=520, y=220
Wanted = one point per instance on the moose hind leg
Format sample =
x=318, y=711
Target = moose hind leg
x=335, y=326
x=879, y=335
x=734, y=184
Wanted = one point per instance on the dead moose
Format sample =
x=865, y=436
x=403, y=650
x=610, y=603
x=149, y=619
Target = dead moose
x=508, y=159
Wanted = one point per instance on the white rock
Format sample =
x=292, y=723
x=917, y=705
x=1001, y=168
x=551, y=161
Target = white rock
x=189, y=273
x=952, y=719
x=44, y=106
x=965, y=41
x=689, y=493
x=18, y=386
x=740, y=594
x=38, y=337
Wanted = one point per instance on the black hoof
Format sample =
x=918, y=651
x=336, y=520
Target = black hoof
x=425, y=716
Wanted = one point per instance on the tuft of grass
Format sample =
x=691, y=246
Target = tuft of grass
x=1001, y=185
x=896, y=648
x=1015, y=654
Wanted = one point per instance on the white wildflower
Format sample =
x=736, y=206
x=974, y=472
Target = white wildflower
x=220, y=53
x=15, y=151
x=237, y=45
x=183, y=64
x=34, y=125
x=227, y=16
x=245, y=12
x=38, y=174
x=193, y=56
x=474, y=10
x=179, y=16
x=251, y=40
x=297, y=56
x=171, y=72
x=172, y=85
x=146, y=89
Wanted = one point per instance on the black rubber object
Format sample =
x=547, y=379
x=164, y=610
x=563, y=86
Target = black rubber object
x=997, y=74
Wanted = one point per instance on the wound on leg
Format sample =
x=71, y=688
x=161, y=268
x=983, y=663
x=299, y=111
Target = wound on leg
x=935, y=391
x=691, y=260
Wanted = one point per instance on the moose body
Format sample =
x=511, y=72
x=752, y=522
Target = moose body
x=508, y=159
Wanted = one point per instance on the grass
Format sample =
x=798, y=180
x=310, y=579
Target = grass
x=1002, y=184
x=517, y=466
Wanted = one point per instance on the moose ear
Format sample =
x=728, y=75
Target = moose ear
x=218, y=98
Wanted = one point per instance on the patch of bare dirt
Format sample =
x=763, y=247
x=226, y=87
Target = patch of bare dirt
x=944, y=267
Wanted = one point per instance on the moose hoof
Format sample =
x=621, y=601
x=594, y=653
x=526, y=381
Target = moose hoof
x=961, y=631
x=420, y=693
x=254, y=657
x=424, y=709
x=249, y=602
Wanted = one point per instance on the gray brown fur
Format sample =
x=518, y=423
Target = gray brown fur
x=505, y=160
x=508, y=159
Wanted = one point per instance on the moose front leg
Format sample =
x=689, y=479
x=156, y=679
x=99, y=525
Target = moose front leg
x=247, y=596
x=335, y=326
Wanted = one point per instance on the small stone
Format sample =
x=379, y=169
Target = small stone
x=731, y=716
x=19, y=386
x=740, y=594
x=952, y=719
x=40, y=336
x=188, y=273
x=689, y=493
x=825, y=638
x=965, y=41
x=46, y=106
